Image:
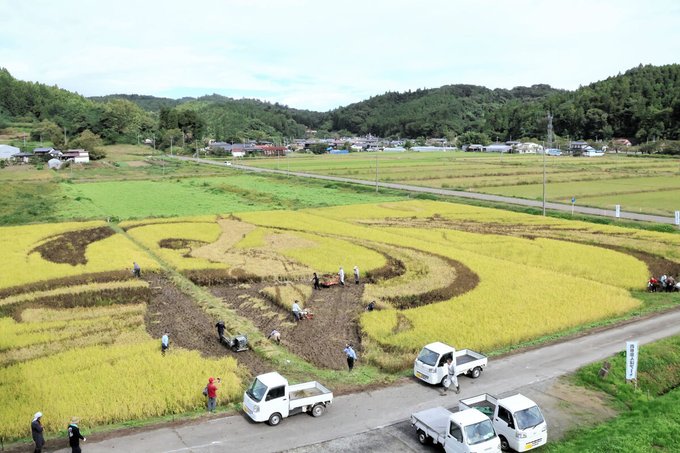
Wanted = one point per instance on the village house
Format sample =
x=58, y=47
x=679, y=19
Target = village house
x=79, y=156
x=7, y=151
x=46, y=152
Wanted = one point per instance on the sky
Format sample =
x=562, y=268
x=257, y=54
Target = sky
x=319, y=55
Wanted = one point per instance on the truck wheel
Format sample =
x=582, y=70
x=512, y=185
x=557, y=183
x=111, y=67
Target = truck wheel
x=476, y=372
x=423, y=438
x=505, y=446
x=318, y=410
x=274, y=419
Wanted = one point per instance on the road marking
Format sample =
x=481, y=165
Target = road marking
x=216, y=442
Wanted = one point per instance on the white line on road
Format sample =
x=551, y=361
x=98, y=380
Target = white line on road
x=211, y=444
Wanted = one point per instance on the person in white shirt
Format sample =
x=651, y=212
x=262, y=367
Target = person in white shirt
x=297, y=311
x=451, y=376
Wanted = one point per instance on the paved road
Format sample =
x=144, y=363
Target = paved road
x=389, y=408
x=452, y=193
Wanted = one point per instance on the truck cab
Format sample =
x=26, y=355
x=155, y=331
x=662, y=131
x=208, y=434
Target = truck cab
x=517, y=419
x=466, y=431
x=267, y=395
x=430, y=365
x=270, y=398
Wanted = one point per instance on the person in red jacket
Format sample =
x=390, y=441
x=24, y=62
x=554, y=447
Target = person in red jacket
x=212, y=393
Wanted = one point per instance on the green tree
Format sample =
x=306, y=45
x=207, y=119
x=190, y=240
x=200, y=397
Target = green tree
x=48, y=131
x=91, y=143
x=473, y=138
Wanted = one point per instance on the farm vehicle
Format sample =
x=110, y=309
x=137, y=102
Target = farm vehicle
x=430, y=365
x=271, y=399
x=517, y=419
x=464, y=431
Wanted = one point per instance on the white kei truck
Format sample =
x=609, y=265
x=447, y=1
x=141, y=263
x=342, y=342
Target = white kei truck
x=517, y=419
x=430, y=365
x=465, y=431
x=271, y=399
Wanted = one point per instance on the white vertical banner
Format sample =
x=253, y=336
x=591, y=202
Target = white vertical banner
x=618, y=211
x=677, y=218
x=631, y=360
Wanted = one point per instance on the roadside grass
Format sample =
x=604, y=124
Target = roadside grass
x=648, y=417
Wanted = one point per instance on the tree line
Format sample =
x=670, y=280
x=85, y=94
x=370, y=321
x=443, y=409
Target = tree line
x=643, y=104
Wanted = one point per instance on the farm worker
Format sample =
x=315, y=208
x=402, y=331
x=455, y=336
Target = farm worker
x=212, y=393
x=37, y=432
x=370, y=306
x=297, y=312
x=341, y=274
x=136, y=270
x=220, y=329
x=165, y=343
x=74, y=435
x=315, y=280
x=451, y=376
x=275, y=335
x=356, y=275
x=351, y=356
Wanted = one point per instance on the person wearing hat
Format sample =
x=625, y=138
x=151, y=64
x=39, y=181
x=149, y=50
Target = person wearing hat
x=37, y=432
x=74, y=435
x=212, y=393
x=356, y=275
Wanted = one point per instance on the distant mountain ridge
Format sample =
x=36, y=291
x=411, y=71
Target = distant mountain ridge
x=643, y=103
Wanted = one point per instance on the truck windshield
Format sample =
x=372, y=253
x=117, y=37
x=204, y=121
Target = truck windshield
x=257, y=390
x=428, y=357
x=528, y=418
x=479, y=432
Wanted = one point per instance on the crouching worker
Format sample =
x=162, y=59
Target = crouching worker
x=275, y=335
x=136, y=270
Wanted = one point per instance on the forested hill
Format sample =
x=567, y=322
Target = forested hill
x=643, y=103
x=449, y=110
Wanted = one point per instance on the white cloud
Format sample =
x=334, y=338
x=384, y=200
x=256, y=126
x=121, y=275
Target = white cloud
x=321, y=54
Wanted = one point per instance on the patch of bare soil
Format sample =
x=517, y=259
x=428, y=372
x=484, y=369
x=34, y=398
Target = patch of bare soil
x=188, y=326
x=567, y=407
x=319, y=340
x=466, y=280
x=180, y=244
x=46, y=285
x=69, y=248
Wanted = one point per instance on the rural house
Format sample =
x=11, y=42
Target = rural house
x=7, y=151
x=79, y=156
x=42, y=152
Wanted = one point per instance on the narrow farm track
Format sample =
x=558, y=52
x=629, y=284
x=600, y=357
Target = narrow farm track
x=450, y=193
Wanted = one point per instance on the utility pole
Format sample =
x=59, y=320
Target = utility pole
x=171, y=137
x=550, y=141
x=65, y=139
x=376, y=172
